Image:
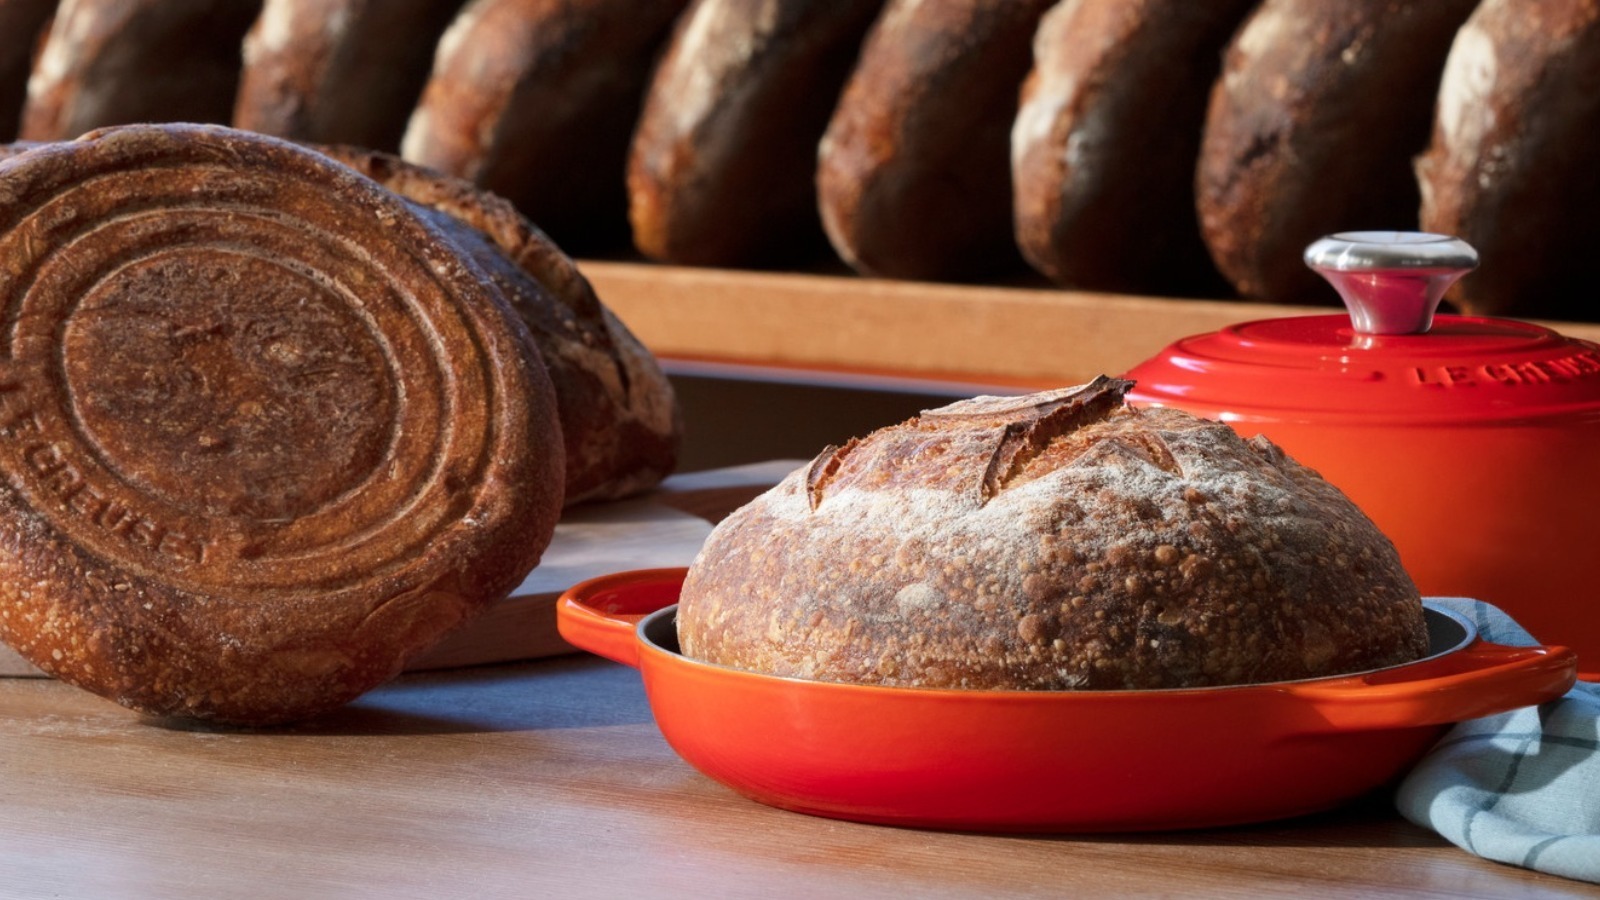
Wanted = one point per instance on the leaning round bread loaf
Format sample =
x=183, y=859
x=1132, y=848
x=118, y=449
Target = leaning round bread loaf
x=268, y=432
x=620, y=420
x=1056, y=541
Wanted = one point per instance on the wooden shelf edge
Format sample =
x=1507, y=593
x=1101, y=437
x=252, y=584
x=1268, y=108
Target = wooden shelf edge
x=956, y=333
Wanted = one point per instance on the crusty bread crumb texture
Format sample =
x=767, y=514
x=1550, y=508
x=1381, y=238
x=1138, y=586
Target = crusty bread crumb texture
x=1061, y=540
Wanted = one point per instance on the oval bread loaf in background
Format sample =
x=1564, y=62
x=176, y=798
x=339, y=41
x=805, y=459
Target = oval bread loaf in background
x=115, y=62
x=1311, y=129
x=912, y=173
x=1054, y=541
x=536, y=100
x=268, y=431
x=338, y=71
x=1099, y=201
x=1513, y=167
x=722, y=168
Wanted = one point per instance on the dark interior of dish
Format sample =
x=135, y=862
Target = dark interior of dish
x=661, y=628
x=1447, y=631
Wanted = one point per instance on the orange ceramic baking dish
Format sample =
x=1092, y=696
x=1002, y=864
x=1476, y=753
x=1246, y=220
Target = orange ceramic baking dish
x=1050, y=760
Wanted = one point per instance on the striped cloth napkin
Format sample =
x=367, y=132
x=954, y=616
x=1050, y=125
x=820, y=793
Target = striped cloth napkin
x=1521, y=787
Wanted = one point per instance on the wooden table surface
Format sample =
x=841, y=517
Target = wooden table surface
x=825, y=325
x=549, y=779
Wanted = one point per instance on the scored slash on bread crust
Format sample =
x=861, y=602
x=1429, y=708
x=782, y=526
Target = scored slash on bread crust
x=1053, y=541
x=271, y=433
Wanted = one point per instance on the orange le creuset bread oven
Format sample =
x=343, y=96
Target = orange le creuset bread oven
x=1046, y=760
x=1473, y=443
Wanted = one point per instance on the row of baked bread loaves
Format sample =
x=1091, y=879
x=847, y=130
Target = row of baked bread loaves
x=1144, y=146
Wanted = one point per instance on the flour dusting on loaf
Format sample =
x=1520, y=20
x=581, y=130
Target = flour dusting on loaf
x=1060, y=540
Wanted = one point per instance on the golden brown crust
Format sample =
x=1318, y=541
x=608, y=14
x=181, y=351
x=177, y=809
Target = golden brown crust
x=1311, y=130
x=110, y=62
x=338, y=71
x=22, y=22
x=912, y=179
x=536, y=101
x=270, y=432
x=1514, y=162
x=722, y=168
x=1055, y=541
x=619, y=418
x=1098, y=203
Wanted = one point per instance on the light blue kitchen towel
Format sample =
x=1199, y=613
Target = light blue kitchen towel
x=1521, y=787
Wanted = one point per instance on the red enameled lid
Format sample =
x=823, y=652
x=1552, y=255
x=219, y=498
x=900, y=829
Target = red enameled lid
x=1390, y=360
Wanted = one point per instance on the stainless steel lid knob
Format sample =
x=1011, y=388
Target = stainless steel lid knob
x=1391, y=281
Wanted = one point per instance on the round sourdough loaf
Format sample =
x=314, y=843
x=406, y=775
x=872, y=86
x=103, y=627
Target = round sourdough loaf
x=1056, y=541
x=268, y=431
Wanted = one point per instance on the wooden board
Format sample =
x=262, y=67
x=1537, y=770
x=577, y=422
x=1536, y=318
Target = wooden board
x=664, y=528
x=977, y=334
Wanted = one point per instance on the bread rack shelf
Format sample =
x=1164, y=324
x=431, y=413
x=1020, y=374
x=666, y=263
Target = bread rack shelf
x=834, y=327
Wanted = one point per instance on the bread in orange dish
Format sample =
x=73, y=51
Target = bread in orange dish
x=1061, y=540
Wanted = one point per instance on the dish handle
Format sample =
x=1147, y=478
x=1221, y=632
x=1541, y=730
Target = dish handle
x=1481, y=679
x=602, y=614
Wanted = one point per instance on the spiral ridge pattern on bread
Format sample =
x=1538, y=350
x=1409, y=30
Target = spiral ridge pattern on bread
x=270, y=432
